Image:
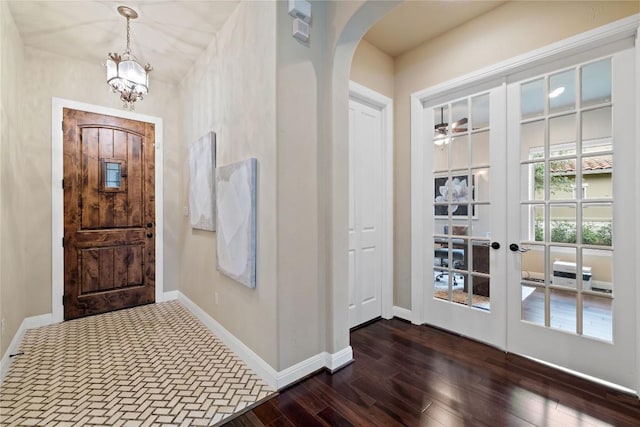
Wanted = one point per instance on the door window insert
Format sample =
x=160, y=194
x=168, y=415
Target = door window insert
x=112, y=175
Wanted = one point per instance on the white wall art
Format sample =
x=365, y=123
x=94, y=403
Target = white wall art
x=236, y=210
x=202, y=191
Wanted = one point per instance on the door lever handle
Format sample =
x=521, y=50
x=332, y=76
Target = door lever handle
x=494, y=245
x=515, y=248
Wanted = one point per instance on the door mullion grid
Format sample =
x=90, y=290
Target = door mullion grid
x=450, y=275
x=472, y=202
x=577, y=200
x=470, y=208
x=547, y=207
x=578, y=197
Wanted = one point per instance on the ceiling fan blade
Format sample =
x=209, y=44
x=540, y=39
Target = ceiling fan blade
x=462, y=121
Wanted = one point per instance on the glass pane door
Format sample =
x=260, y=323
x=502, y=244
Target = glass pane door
x=566, y=165
x=565, y=160
x=466, y=182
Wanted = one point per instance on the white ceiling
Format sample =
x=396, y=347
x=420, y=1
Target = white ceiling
x=169, y=35
x=414, y=22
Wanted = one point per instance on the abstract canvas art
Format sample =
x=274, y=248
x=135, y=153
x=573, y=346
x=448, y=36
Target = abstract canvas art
x=202, y=191
x=236, y=186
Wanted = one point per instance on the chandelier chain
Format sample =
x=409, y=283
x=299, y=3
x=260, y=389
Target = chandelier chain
x=128, y=37
x=125, y=75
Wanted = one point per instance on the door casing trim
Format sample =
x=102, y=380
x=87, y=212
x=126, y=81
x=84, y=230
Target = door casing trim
x=365, y=95
x=57, y=196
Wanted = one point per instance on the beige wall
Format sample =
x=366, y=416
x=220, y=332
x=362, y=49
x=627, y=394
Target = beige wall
x=85, y=82
x=300, y=80
x=290, y=315
x=232, y=91
x=14, y=260
x=509, y=30
x=373, y=68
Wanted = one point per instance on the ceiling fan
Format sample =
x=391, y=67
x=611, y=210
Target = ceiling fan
x=456, y=127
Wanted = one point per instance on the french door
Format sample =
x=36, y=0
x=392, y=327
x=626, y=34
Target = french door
x=525, y=208
x=571, y=294
x=465, y=215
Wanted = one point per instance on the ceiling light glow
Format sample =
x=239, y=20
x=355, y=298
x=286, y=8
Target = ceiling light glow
x=556, y=92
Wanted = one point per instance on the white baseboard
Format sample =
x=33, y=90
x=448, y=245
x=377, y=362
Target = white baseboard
x=337, y=360
x=331, y=361
x=28, y=323
x=37, y=321
x=170, y=296
x=402, y=313
x=275, y=379
x=300, y=370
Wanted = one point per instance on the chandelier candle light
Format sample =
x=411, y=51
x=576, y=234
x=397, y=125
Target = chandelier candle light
x=125, y=75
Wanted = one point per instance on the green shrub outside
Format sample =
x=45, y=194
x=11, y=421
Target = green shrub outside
x=565, y=232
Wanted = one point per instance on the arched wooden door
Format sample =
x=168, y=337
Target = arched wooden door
x=109, y=215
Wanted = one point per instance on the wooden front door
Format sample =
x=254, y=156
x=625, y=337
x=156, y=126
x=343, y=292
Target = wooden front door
x=109, y=216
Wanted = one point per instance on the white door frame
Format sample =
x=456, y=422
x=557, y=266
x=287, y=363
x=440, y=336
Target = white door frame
x=637, y=198
x=57, y=196
x=621, y=33
x=385, y=105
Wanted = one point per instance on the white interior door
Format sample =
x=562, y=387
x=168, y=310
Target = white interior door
x=572, y=287
x=365, y=211
x=465, y=214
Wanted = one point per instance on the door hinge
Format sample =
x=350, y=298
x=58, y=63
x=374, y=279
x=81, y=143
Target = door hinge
x=62, y=299
x=63, y=184
x=62, y=125
x=63, y=242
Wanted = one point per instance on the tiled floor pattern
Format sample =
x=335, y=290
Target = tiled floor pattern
x=155, y=365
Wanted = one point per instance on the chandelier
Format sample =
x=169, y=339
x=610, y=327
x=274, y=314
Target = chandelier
x=125, y=75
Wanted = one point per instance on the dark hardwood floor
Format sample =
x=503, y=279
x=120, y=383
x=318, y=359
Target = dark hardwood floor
x=421, y=376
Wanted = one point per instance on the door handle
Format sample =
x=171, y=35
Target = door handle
x=149, y=224
x=494, y=245
x=149, y=235
x=515, y=248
